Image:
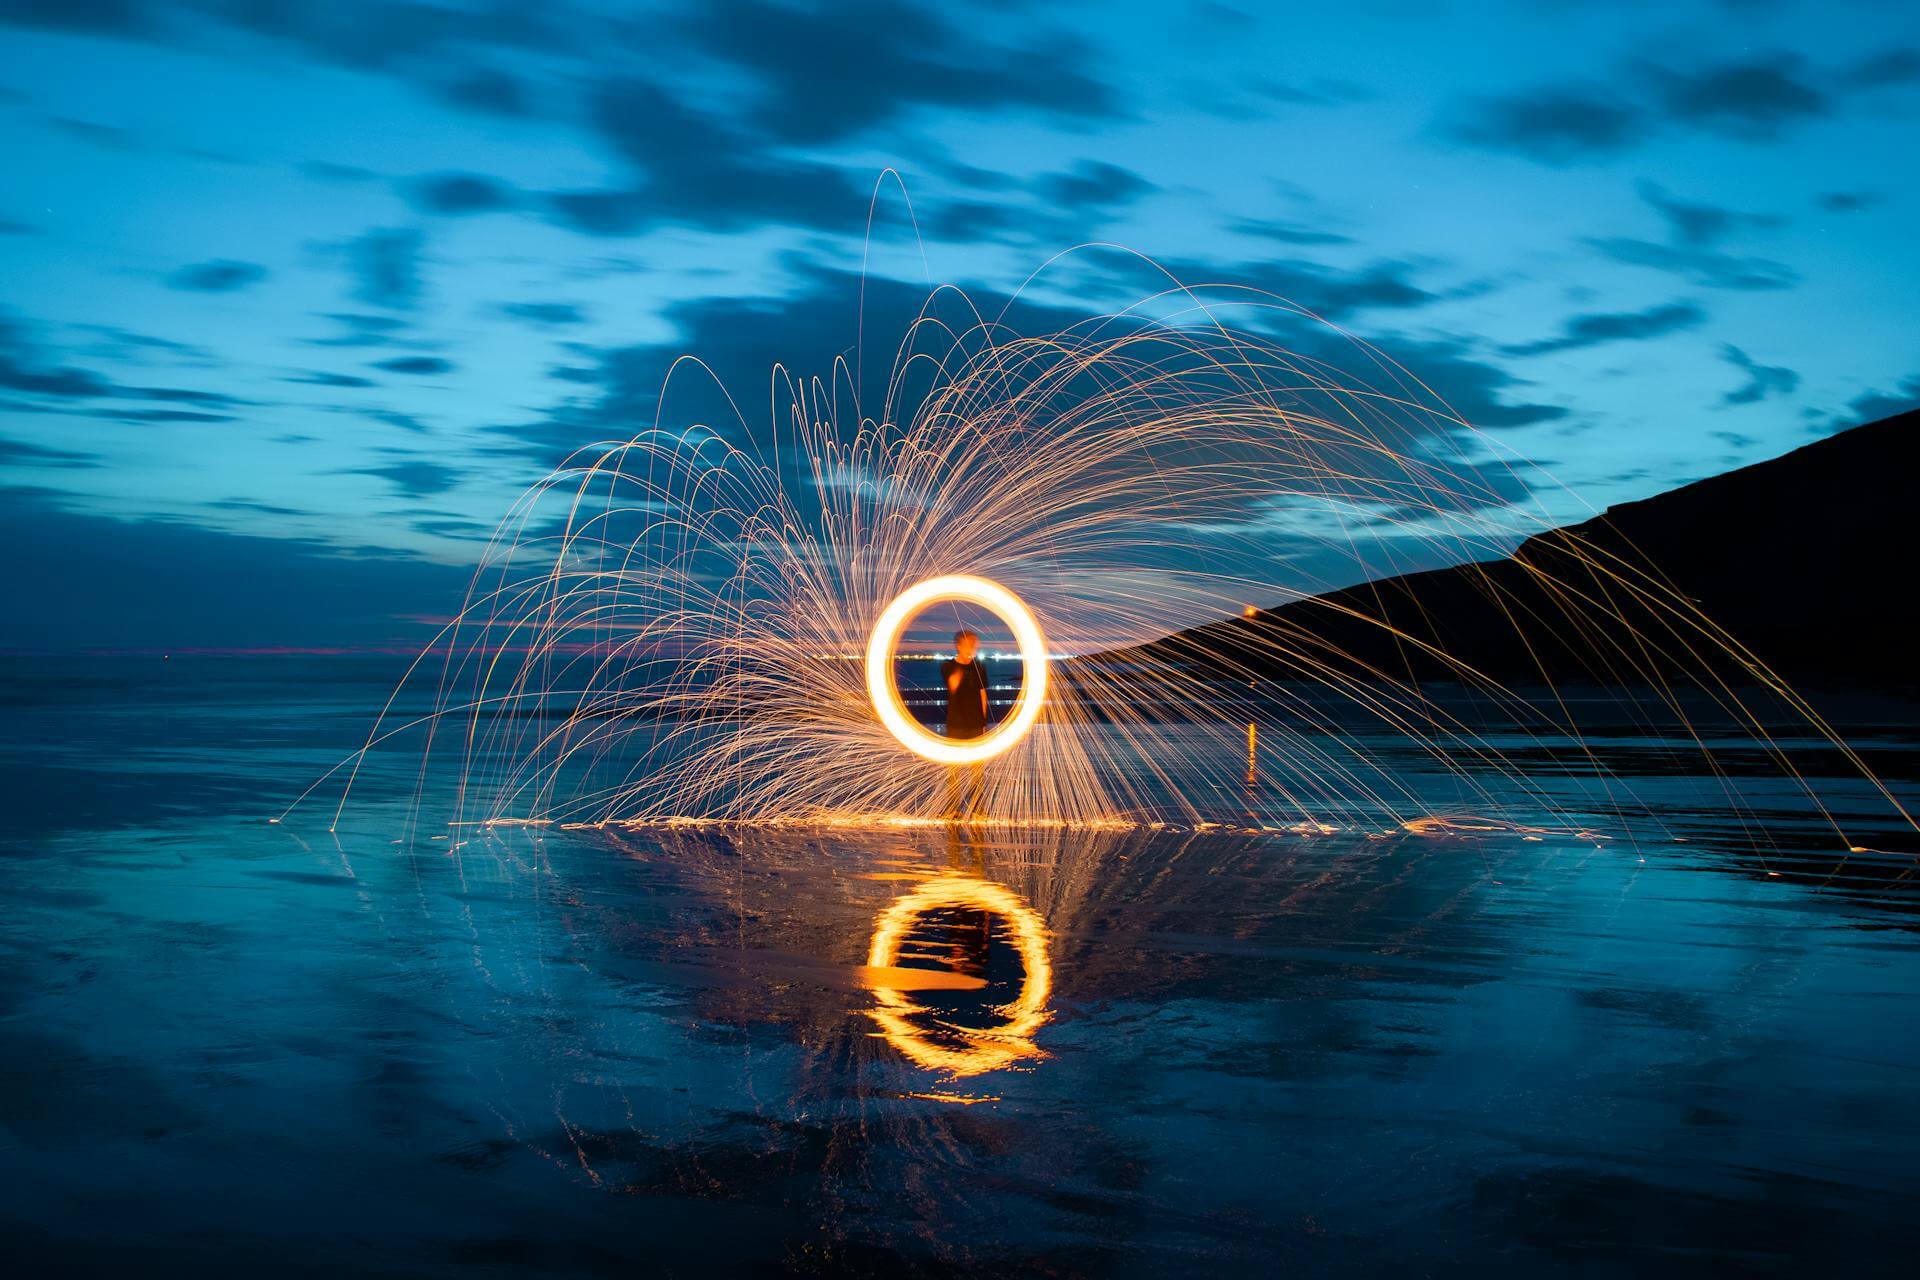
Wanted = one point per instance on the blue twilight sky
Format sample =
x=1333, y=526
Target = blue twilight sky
x=299, y=294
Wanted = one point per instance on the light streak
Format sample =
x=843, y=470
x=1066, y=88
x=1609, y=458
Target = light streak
x=974, y=1051
x=677, y=626
x=883, y=687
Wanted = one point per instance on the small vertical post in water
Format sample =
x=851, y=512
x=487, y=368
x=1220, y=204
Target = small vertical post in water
x=1253, y=769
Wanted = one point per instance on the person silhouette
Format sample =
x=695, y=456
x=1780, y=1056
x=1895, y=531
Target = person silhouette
x=966, y=718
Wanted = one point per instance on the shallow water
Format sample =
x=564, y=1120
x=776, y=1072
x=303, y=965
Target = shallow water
x=230, y=1044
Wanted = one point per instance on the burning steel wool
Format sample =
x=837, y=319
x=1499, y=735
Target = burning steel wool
x=708, y=621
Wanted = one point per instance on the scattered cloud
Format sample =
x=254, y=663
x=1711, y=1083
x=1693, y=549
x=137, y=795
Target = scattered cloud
x=164, y=415
x=1069, y=206
x=385, y=266
x=1706, y=267
x=119, y=583
x=223, y=275
x=422, y=366
x=415, y=477
x=23, y=369
x=829, y=72
x=1754, y=99
x=361, y=330
x=1288, y=232
x=1700, y=224
x=1093, y=185
x=314, y=378
x=1554, y=125
x=1314, y=93
x=88, y=17
x=1878, y=71
x=700, y=170
x=328, y=171
x=22, y=453
x=461, y=193
x=1614, y=326
x=545, y=314
x=1874, y=405
x=1692, y=249
x=1848, y=201
x=487, y=89
x=110, y=137
x=1763, y=380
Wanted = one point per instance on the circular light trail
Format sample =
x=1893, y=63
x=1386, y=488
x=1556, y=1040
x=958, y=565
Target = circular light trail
x=884, y=689
x=980, y=1051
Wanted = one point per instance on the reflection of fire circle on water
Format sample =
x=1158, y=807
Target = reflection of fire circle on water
x=986, y=1050
x=884, y=688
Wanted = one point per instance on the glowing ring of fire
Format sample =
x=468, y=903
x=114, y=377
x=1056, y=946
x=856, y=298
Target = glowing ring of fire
x=1003, y=1045
x=884, y=689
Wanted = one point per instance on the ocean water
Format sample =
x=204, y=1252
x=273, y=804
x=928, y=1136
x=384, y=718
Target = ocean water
x=1687, y=1044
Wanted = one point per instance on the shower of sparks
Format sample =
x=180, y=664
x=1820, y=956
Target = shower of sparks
x=670, y=628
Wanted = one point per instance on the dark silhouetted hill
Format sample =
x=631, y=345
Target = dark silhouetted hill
x=1808, y=561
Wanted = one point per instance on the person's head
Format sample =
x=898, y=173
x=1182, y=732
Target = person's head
x=965, y=643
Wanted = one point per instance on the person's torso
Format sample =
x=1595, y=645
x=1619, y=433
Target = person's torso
x=965, y=713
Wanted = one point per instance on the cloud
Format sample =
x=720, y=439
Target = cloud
x=1753, y=100
x=385, y=264
x=742, y=338
x=1893, y=67
x=328, y=171
x=111, y=137
x=163, y=415
x=1713, y=269
x=544, y=313
x=1288, y=232
x=1316, y=93
x=415, y=477
x=1694, y=234
x=461, y=193
x=90, y=17
x=222, y=275
x=1555, y=125
x=1617, y=326
x=116, y=343
x=827, y=72
x=1875, y=405
x=30, y=370
x=393, y=418
x=1068, y=206
x=698, y=170
x=22, y=368
x=104, y=583
x=21, y=453
x=489, y=90
x=1327, y=292
x=1848, y=201
x=318, y=378
x=1093, y=185
x=1700, y=224
x=392, y=35
x=361, y=330
x=418, y=365
x=1763, y=380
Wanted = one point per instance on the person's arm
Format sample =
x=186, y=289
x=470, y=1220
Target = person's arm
x=986, y=711
x=955, y=674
